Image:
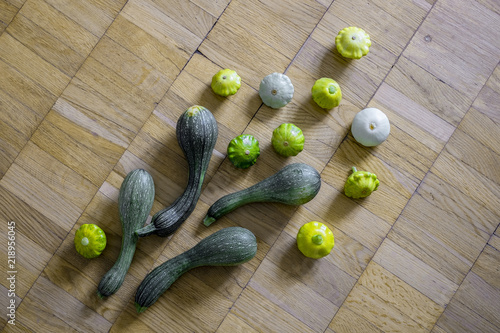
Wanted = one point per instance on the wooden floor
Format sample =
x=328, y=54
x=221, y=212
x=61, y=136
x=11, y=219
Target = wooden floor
x=90, y=90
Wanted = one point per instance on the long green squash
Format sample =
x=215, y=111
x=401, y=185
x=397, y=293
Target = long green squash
x=196, y=133
x=295, y=185
x=226, y=247
x=135, y=201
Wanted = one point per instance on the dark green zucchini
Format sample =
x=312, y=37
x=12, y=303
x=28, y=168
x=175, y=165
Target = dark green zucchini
x=295, y=185
x=135, y=201
x=226, y=247
x=196, y=133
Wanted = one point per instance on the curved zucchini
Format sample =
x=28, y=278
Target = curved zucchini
x=295, y=185
x=196, y=133
x=226, y=247
x=135, y=201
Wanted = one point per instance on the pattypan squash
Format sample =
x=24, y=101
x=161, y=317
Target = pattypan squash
x=90, y=240
x=353, y=43
x=360, y=184
x=243, y=151
x=326, y=93
x=288, y=140
x=226, y=82
x=315, y=240
x=370, y=127
x=276, y=90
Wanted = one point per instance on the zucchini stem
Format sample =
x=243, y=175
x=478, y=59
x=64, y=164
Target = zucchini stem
x=146, y=230
x=208, y=220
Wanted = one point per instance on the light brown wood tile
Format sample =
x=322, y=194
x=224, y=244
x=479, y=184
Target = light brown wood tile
x=45, y=45
x=429, y=281
x=92, y=90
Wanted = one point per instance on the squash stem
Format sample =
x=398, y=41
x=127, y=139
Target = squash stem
x=354, y=170
x=140, y=309
x=208, y=220
x=146, y=231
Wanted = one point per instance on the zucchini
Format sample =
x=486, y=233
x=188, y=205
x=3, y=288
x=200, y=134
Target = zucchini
x=196, y=133
x=135, y=201
x=226, y=247
x=295, y=185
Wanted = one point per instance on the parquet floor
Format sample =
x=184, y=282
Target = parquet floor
x=90, y=90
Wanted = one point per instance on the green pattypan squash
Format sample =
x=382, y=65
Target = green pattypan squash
x=288, y=140
x=276, y=90
x=90, y=240
x=326, y=93
x=353, y=43
x=226, y=82
x=360, y=184
x=315, y=240
x=243, y=151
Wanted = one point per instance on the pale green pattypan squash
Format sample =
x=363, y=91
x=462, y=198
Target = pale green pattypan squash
x=360, y=184
x=326, y=93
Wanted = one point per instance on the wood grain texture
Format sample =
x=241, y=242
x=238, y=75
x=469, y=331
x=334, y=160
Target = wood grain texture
x=91, y=90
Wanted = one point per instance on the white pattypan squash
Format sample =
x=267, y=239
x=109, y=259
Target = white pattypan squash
x=370, y=127
x=276, y=90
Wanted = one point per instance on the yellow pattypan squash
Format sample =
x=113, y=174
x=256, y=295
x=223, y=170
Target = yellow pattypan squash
x=315, y=240
x=90, y=240
x=353, y=43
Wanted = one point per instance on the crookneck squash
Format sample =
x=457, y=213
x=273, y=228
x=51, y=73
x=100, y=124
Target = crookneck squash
x=196, y=133
x=135, y=201
x=294, y=185
x=226, y=247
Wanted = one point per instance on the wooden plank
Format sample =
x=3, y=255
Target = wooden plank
x=447, y=198
x=45, y=45
x=473, y=153
x=7, y=12
x=379, y=313
x=241, y=54
x=472, y=183
x=149, y=16
x=483, y=129
x=459, y=318
x=94, y=15
x=31, y=65
x=487, y=266
x=163, y=57
x=47, y=307
x=233, y=323
x=428, y=91
x=427, y=280
x=467, y=74
x=30, y=259
x=34, y=225
x=147, y=79
x=347, y=321
x=400, y=295
x=292, y=295
x=480, y=297
x=25, y=90
x=263, y=315
x=60, y=26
